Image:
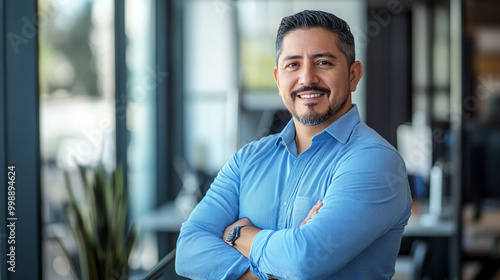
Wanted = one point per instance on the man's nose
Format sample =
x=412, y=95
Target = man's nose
x=308, y=75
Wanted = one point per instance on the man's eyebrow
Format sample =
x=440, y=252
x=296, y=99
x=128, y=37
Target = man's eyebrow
x=326, y=54
x=291, y=57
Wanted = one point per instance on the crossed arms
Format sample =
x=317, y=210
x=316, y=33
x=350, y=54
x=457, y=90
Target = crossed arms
x=248, y=233
x=358, y=209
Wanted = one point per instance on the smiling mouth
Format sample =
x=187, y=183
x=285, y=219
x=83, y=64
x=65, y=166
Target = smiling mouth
x=304, y=96
x=309, y=92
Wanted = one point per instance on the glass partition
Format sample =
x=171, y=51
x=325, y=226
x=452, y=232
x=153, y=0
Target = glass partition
x=77, y=123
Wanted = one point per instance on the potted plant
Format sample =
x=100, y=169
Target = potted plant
x=99, y=226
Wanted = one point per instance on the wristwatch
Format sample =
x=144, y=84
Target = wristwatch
x=233, y=234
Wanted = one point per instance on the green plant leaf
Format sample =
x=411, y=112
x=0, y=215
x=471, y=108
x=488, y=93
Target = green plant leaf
x=99, y=227
x=91, y=205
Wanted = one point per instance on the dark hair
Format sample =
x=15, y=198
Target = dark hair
x=309, y=19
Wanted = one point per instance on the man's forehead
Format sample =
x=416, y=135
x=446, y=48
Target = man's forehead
x=316, y=39
x=309, y=30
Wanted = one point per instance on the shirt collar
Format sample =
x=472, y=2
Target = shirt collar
x=287, y=135
x=341, y=129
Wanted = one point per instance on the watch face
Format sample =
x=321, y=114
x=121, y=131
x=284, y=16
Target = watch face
x=230, y=237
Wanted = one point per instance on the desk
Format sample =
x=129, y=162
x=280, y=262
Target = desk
x=417, y=227
x=421, y=224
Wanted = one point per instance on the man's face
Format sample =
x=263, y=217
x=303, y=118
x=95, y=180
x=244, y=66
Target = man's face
x=313, y=78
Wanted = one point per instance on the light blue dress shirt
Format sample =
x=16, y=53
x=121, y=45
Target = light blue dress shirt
x=361, y=179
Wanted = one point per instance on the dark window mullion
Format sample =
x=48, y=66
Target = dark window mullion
x=20, y=144
x=3, y=147
x=121, y=89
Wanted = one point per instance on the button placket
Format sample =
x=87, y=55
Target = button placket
x=299, y=167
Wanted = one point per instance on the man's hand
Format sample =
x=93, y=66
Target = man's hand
x=313, y=212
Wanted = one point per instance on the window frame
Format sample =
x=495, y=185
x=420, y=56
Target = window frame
x=20, y=143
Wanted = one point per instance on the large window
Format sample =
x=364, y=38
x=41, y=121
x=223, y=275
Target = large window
x=77, y=107
x=80, y=107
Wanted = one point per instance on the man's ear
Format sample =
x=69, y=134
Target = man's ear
x=275, y=73
x=355, y=73
x=276, y=78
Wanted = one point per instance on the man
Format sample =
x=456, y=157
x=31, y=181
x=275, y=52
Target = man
x=327, y=198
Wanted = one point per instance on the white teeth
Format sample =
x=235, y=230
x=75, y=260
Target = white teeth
x=310, y=95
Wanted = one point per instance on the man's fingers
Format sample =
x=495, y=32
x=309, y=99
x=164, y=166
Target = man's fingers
x=313, y=212
x=316, y=207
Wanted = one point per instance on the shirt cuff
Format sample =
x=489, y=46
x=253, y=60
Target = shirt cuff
x=256, y=251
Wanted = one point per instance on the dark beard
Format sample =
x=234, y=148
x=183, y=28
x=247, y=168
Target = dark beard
x=312, y=118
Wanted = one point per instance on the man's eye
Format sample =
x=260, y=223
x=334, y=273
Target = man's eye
x=291, y=65
x=324, y=63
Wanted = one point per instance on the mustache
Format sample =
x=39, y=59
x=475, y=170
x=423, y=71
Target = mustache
x=309, y=88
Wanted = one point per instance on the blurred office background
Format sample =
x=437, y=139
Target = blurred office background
x=170, y=89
